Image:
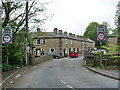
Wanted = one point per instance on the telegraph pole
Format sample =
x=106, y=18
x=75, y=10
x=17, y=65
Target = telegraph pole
x=26, y=36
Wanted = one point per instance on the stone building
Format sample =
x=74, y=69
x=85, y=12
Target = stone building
x=112, y=40
x=61, y=43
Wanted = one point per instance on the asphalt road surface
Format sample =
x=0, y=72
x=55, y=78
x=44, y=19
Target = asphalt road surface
x=61, y=73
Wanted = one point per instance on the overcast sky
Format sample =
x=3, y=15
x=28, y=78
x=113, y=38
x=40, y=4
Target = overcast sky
x=75, y=15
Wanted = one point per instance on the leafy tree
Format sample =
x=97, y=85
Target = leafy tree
x=117, y=30
x=118, y=35
x=14, y=12
x=108, y=27
x=91, y=32
x=14, y=16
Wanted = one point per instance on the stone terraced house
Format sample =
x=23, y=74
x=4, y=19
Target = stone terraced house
x=61, y=43
x=112, y=40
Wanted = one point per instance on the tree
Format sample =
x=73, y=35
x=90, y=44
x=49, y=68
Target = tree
x=14, y=12
x=91, y=32
x=14, y=16
x=117, y=23
x=108, y=27
x=118, y=35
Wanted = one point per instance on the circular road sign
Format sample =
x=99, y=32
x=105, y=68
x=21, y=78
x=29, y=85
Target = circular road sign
x=7, y=38
x=101, y=36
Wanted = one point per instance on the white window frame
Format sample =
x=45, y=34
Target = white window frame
x=66, y=50
x=43, y=39
x=75, y=42
x=65, y=41
x=37, y=41
x=52, y=48
x=38, y=52
x=42, y=49
x=71, y=42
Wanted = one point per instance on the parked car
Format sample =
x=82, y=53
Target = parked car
x=95, y=51
x=56, y=56
x=73, y=54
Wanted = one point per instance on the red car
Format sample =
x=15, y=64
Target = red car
x=73, y=54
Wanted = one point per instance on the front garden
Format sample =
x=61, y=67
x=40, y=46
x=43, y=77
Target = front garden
x=106, y=61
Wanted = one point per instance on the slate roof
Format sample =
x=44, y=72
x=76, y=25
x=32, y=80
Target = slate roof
x=54, y=35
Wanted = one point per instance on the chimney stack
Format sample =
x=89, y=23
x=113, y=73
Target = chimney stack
x=78, y=36
x=55, y=30
x=60, y=31
x=65, y=33
x=70, y=34
x=73, y=35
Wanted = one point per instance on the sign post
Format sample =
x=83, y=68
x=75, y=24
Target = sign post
x=7, y=35
x=7, y=39
x=101, y=36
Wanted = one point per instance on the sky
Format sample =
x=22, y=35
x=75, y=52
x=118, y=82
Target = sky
x=74, y=16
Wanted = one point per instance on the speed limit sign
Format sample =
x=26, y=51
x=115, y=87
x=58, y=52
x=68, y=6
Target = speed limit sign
x=101, y=36
x=7, y=35
x=6, y=39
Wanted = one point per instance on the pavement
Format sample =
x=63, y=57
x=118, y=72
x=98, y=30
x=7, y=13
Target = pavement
x=9, y=74
x=112, y=73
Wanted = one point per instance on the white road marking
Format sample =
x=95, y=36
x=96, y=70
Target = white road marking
x=69, y=86
x=8, y=78
x=24, y=71
x=63, y=81
x=11, y=81
x=83, y=68
x=34, y=67
x=17, y=75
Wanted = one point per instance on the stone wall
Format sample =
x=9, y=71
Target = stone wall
x=41, y=59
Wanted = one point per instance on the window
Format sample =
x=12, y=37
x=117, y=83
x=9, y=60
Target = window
x=75, y=42
x=52, y=50
x=118, y=40
x=66, y=50
x=65, y=41
x=42, y=49
x=38, y=52
x=38, y=41
x=43, y=40
x=74, y=49
x=71, y=42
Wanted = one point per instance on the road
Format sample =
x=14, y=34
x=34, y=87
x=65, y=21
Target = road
x=62, y=73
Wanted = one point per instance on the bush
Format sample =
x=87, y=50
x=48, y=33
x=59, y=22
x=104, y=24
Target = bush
x=116, y=59
x=97, y=54
x=90, y=65
x=6, y=67
x=108, y=54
